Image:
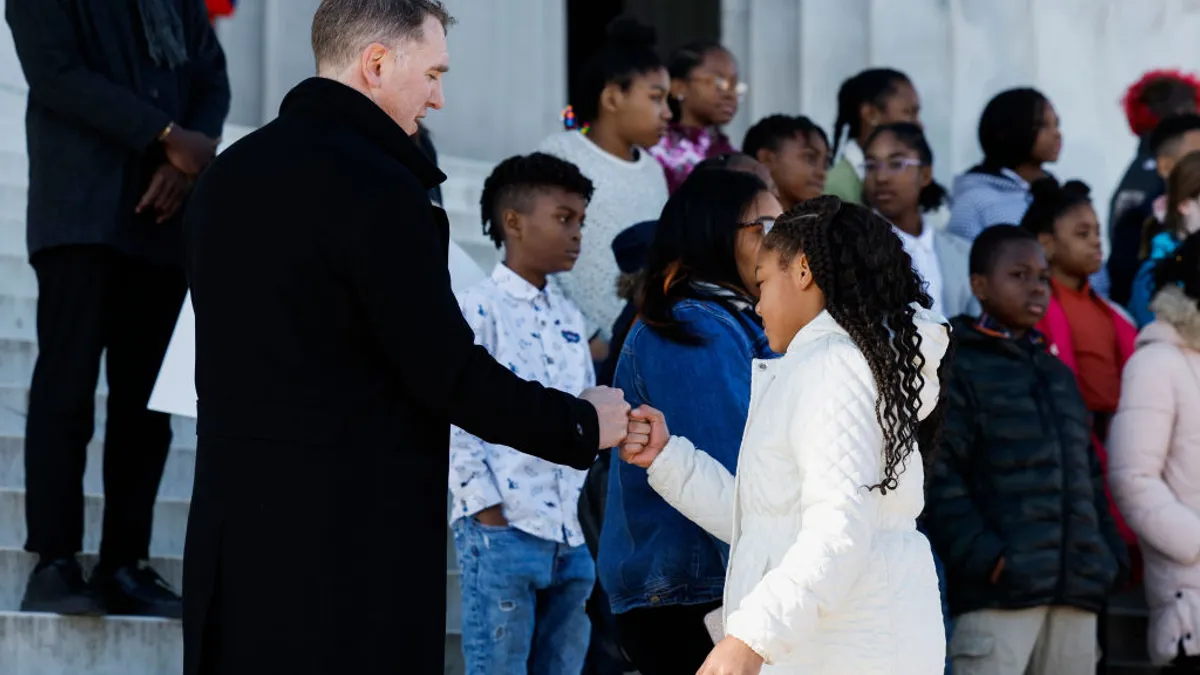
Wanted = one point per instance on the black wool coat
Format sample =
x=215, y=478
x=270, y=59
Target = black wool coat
x=1017, y=477
x=331, y=359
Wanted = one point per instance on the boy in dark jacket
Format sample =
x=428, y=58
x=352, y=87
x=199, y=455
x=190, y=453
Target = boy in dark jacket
x=1016, y=505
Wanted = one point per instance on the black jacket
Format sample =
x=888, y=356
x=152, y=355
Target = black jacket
x=1017, y=478
x=1131, y=205
x=331, y=359
x=97, y=103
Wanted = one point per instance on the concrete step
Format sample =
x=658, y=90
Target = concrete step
x=16, y=566
x=47, y=644
x=14, y=405
x=12, y=236
x=176, y=481
x=16, y=275
x=170, y=522
x=17, y=358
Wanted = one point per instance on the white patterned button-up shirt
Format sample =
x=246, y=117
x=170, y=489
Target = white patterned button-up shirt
x=540, y=336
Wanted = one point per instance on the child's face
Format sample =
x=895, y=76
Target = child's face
x=903, y=105
x=546, y=239
x=765, y=209
x=894, y=177
x=798, y=168
x=788, y=299
x=709, y=95
x=1017, y=290
x=1074, y=247
x=1049, y=137
x=640, y=112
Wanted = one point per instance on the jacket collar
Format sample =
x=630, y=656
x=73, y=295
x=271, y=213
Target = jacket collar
x=1177, y=320
x=331, y=97
x=823, y=324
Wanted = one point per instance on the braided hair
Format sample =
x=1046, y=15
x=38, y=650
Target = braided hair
x=514, y=182
x=872, y=86
x=870, y=287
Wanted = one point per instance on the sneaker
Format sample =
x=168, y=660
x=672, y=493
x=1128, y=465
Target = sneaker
x=137, y=590
x=57, y=586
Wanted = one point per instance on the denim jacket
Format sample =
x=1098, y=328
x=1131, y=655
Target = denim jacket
x=650, y=554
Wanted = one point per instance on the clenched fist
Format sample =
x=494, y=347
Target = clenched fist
x=612, y=412
x=647, y=437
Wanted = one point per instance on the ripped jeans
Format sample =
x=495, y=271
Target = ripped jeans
x=523, y=601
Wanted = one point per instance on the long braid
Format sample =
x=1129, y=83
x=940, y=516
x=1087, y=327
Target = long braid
x=869, y=286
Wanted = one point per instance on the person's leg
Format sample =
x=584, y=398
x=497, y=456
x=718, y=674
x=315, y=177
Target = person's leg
x=666, y=640
x=145, y=305
x=72, y=288
x=1067, y=645
x=995, y=642
x=563, y=631
x=502, y=569
x=1183, y=664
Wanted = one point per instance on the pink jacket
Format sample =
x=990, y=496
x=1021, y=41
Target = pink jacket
x=1154, y=468
x=1058, y=342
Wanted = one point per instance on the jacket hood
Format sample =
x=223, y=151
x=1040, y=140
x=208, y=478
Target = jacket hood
x=1176, y=320
x=976, y=180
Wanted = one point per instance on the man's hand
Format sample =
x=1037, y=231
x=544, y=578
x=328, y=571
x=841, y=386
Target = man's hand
x=731, y=656
x=493, y=516
x=612, y=412
x=189, y=151
x=168, y=189
x=647, y=437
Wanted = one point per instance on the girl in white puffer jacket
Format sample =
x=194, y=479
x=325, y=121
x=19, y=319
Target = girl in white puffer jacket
x=827, y=571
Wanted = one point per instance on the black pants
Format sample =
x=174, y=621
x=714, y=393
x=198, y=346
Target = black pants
x=666, y=640
x=1183, y=664
x=93, y=301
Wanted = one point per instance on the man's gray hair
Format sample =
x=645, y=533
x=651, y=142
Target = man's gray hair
x=343, y=28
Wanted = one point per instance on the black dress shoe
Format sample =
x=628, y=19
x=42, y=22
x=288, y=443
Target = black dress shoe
x=136, y=590
x=57, y=586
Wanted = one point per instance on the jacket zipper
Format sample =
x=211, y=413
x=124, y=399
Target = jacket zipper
x=1062, y=451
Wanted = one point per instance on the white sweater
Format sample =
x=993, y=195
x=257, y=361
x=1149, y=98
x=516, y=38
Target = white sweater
x=627, y=193
x=825, y=576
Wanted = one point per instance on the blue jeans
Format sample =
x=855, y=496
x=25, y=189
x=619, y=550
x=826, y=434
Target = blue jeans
x=524, y=601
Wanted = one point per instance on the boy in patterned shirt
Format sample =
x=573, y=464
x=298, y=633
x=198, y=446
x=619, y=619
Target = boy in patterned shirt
x=526, y=573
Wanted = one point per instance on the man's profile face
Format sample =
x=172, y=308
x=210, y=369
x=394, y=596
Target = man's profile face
x=409, y=79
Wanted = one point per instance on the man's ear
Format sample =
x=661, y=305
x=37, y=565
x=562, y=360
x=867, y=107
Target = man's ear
x=371, y=62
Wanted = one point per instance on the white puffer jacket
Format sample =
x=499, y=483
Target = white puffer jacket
x=825, y=576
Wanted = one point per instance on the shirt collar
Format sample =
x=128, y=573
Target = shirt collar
x=1060, y=288
x=923, y=240
x=989, y=326
x=512, y=284
x=1013, y=175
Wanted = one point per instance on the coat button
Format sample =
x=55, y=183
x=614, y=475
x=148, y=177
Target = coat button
x=579, y=429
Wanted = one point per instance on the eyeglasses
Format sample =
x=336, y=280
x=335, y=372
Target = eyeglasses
x=724, y=85
x=766, y=223
x=891, y=166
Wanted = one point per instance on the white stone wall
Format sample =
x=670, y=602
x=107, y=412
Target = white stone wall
x=1083, y=54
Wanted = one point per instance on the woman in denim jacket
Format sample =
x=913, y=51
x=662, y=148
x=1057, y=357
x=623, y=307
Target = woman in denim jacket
x=689, y=355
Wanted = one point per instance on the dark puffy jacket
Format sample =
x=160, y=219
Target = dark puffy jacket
x=1017, y=478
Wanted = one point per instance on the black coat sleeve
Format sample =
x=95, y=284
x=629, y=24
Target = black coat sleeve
x=49, y=52
x=398, y=270
x=209, y=96
x=956, y=526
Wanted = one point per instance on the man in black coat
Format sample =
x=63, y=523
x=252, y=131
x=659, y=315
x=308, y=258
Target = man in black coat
x=126, y=101
x=331, y=359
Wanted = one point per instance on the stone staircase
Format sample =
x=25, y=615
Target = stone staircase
x=43, y=644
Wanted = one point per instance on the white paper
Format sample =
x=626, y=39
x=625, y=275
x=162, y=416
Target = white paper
x=175, y=390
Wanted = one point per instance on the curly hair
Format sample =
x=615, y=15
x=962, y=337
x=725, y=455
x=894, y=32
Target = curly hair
x=870, y=288
x=515, y=180
x=1158, y=95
